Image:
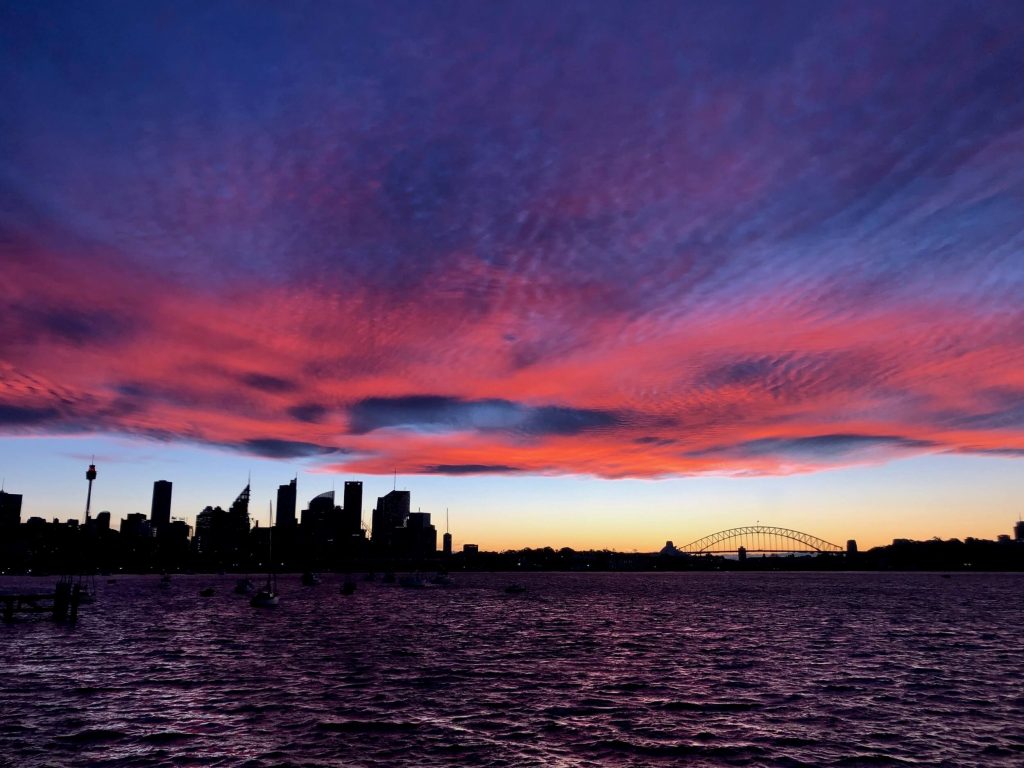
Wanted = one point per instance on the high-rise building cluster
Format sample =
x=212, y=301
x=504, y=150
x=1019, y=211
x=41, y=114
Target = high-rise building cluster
x=322, y=535
x=397, y=530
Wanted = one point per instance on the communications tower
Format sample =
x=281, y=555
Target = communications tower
x=90, y=475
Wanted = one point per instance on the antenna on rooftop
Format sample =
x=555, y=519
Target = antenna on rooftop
x=446, y=520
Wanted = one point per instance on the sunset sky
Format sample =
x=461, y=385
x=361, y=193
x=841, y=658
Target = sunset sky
x=587, y=274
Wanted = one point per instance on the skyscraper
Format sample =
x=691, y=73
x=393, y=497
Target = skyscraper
x=160, y=511
x=319, y=524
x=10, y=509
x=391, y=513
x=352, y=507
x=418, y=538
x=286, y=504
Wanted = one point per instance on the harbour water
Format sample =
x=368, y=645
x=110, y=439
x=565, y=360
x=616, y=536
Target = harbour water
x=702, y=669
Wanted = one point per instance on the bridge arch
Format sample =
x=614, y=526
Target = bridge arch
x=759, y=538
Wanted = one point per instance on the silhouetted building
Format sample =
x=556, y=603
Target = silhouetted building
x=10, y=509
x=417, y=538
x=318, y=513
x=222, y=536
x=1018, y=531
x=670, y=550
x=390, y=514
x=286, y=498
x=319, y=528
x=239, y=512
x=103, y=521
x=210, y=525
x=352, y=508
x=851, y=547
x=447, y=546
x=177, y=532
x=470, y=549
x=160, y=511
x=136, y=526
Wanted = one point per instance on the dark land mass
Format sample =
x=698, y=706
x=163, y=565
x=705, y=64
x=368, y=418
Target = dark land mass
x=41, y=547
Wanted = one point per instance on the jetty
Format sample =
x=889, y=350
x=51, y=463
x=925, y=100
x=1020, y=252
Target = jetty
x=62, y=604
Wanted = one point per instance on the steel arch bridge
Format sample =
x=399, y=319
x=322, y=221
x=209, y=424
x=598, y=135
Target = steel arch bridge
x=759, y=538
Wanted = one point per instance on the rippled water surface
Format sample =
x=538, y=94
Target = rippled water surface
x=581, y=670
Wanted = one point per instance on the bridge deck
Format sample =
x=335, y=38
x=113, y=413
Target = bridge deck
x=759, y=551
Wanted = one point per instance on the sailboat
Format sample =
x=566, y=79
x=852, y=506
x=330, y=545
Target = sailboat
x=266, y=596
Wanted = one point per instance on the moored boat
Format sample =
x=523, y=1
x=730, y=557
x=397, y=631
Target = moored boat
x=413, y=581
x=266, y=596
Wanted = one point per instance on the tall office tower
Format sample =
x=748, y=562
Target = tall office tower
x=391, y=513
x=240, y=508
x=447, y=545
x=1018, y=530
x=418, y=538
x=160, y=511
x=318, y=523
x=10, y=509
x=238, y=524
x=320, y=507
x=286, y=504
x=352, y=506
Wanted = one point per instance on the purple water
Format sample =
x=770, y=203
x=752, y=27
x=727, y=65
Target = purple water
x=581, y=670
